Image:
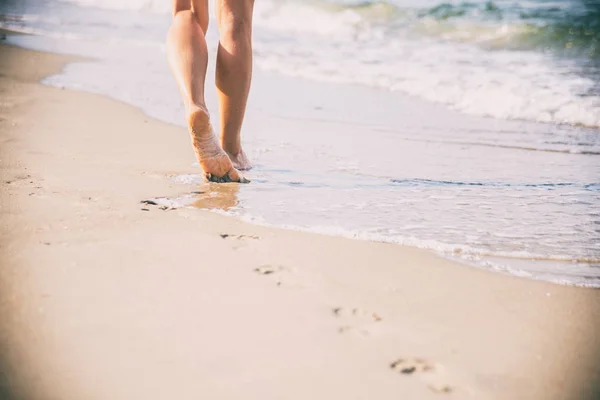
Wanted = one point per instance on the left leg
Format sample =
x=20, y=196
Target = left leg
x=234, y=73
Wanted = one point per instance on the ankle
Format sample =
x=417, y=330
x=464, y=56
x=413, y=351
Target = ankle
x=194, y=107
x=233, y=149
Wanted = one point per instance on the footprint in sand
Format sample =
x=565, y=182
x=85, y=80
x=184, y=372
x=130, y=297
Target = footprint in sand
x=430, y=373
x=356, y=316
x=356, y=312
x=26, y=181
x=278, y=273
x=267, y=269
x=238, y=241
x=238, y=237
x=154, y=203
x=19, y=180
x=411, y=365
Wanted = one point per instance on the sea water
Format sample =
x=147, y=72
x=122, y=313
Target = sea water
x=469, y=128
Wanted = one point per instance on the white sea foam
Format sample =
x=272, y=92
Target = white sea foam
x=500, y=84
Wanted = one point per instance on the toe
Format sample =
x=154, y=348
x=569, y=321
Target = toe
x=235, y=176
x=232, y=176
x=213, y=178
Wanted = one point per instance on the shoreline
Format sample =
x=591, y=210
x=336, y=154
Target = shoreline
x=298, y=115
x=101, y=299
x=337, y=112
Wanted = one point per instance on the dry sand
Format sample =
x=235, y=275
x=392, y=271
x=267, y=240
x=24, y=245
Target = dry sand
x=101, y=299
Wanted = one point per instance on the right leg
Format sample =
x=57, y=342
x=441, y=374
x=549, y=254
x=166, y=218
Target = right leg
x=234, y=73
x=188, y=57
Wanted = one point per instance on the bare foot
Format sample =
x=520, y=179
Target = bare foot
x=214, y=161
x=239, y=160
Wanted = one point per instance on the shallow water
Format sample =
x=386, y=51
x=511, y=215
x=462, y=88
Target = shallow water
x=373, y=164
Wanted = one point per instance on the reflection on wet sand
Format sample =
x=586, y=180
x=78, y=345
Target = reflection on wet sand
x=220, y=196
x=209, y=196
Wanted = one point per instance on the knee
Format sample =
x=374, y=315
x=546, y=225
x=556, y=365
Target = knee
x=188, y=17
x=185, y=17
x=235, y=29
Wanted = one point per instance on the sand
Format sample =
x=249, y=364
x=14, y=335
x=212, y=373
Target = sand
x=105, y=297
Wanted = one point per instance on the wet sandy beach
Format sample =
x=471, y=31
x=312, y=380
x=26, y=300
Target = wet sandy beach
x=105, y=296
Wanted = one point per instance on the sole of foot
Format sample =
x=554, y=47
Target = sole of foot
x=214, y=161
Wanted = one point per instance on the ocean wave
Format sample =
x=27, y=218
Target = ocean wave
x=558, y=27
x=564, y=31
x=561, y=28
x=458, y=55
x=491, y=59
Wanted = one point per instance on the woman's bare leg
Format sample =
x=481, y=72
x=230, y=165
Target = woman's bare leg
x=234, y=73
x=188, y=57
